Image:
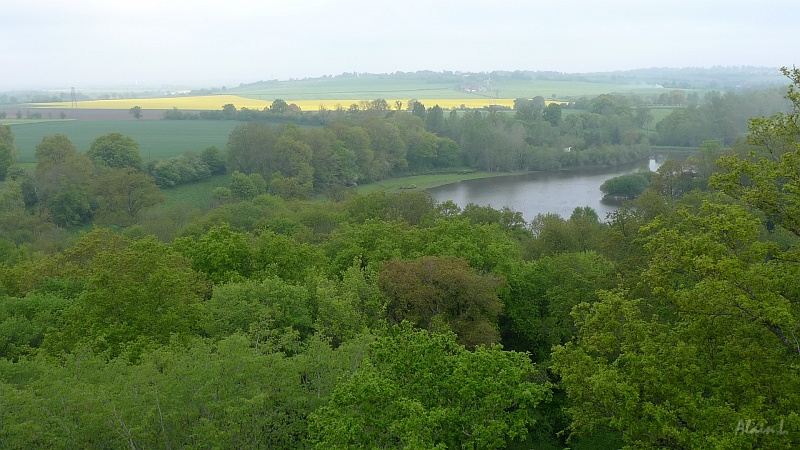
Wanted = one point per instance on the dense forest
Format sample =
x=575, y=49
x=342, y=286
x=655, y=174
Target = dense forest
x=388, y=320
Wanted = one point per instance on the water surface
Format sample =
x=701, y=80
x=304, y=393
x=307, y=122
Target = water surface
x=540, y=193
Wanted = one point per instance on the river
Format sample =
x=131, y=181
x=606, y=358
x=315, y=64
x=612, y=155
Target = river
x=542, y=192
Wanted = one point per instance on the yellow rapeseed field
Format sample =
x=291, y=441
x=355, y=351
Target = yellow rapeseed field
x=206, y=102
x=216, y=102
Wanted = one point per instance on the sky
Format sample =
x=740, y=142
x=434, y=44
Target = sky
x=136, y=44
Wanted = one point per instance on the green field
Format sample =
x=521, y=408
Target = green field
x=376, y=87
x=158, y=139
x=196, y=194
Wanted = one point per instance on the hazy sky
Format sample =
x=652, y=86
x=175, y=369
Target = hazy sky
x=200, y=43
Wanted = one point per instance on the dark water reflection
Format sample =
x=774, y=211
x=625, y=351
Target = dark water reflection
x=535, y=193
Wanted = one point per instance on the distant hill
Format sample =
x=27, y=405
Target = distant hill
x=457, y=85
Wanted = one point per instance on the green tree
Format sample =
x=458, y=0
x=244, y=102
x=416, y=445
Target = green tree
x=274, y=314
x=552, y=114
x=221, y=253
x=711, y=345
x=7, y=157
x=122, y=194
x=62, y=176
x=214, y=159
x=136, y=112
x=245, y=187
x=422, y=390
x=136, y=296
x=8, y=153
x=541, y=295
x=769, y=180
x=434, y=120
x=116, y=151
x=443, y=293
x=527, y=110
x=278, y=106
x=252, y=148
x=229, y=111
x=627, y=186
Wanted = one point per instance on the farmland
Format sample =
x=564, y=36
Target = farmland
x=421, y=88
x=333, y=93
x=216, y=102
x=158, y=139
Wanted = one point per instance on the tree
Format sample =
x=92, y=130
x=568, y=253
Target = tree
x=643, y=116
x=711, y=344
x=62, y=177
x=229, y=111
x=7, y=157
x=527, y=110
x=769, y=180
x=378, y=104
x=116, y=151
x=7, y=151
x=674, y=178
x=434, y=120
x=627, y=186
x=422, y=390
x=552, y=113
x=541, y=295
x=417, y=108
x=221, y=253
x=251, y=148
x=6, y=135
x=244, y=187
x=278, y=106
x=140, y=294
x=443, y=293
x=609, y=105
x=669, y=369
x=214, y=159
x=136, y=112
x=123, y=193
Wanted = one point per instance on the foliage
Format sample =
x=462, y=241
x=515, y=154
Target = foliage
x=25, y=322
x=134, y=298
x=541, y=295
x=771, y=181
x=279, y=323
x=628, y=186
x=221, y=253
x=116, y=151
x=7, y=157
x=715, y=314
x=443, y=294
x=122, y=194
x=136, y=111
x=423, y=390
x=8, y=153
x=186, y=168
x=274, y=314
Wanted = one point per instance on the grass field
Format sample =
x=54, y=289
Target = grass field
x=158, y=139
x=194, y=194
x=420, y=88
x=424, y=181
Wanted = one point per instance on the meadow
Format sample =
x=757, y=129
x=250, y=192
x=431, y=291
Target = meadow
x=158, y=139
x=367, y=88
